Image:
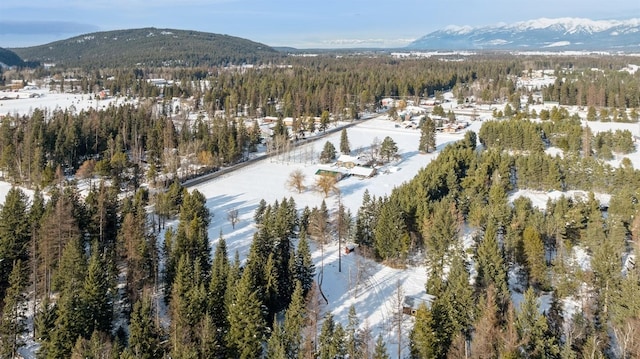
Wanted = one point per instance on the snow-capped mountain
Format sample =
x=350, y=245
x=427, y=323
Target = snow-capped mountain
x=539, y=34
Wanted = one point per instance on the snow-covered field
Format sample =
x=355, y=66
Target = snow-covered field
x=22, y=103
x=372, y=295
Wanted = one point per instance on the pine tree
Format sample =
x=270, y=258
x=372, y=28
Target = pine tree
x=144, y=334
x=353, y=340
x=217, y=293
x=187, y=308
x=328, y=153
x=15, y=234
x=13, y=323
x=276, y=349
x=422, y=337
x=207, y=338
x=294, y=321
x=304, y=269
x=440, y=232
x=491, y=267
x=246, y=322
x=388, y=148
x=534, y=257
x=344, y=142
x=459, y=294
x=391, y=236
x=427, y=136
x=96, y=297
x=330, y=341
x=533, y=331
x=380, y=351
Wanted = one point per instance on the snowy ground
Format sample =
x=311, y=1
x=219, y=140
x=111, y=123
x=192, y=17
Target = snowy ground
x=373, y=294
x=20, y=102
x=369, y=286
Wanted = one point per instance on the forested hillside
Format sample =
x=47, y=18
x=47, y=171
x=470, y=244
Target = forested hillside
x=124, y=268
x=149, y=47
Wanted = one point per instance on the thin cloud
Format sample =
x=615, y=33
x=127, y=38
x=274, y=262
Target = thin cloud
x=44, y=27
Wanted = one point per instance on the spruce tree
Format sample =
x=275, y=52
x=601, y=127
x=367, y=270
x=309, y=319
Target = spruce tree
x=534, y=257
x=96, y=297
x=13, y=323
x=427, y=136
x=144, y=334
x=276, y=348
x=294, y=321
x=533, y=330
x=391, y=235
x=246, y=322
x=329, y=343
x=422, y=338
x=328, y=153
x=388, y=149
x=304, y=269
x=491, y=266
x=380, y=351
x=353, y=340
x=217, y=291
x=344, y=142
x=15, y=234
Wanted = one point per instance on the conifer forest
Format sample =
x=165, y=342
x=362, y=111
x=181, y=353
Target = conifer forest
x=106, y=252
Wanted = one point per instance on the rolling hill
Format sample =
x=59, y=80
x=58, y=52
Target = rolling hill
x=149, y=47
x=9, y=58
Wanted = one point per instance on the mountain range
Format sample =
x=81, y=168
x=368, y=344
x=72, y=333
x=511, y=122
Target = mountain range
x=540, y=34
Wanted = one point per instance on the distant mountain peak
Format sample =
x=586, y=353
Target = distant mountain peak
x=567, y=33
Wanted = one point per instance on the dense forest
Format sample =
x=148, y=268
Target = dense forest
x=102, y=282
x=149, y=47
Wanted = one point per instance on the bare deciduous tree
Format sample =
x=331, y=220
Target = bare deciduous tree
x=296, y=181
x=327, y=184
x=233, y=217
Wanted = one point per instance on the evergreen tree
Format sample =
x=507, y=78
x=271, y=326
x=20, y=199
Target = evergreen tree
x=304, y=269
x=246, y=322
x=144, y=335
x=391, y=235
x=440, y=233
x=491, y=267
x=328, y=153
x=96, y=297
x=459, y=294
x=217, y=308
x=380, y=351
x=15, y=234
x=533, y=331
x=535, y=257
x=294, y=321
x=353, y=340
x=187, y=308
x=331, y=340
x=422, y=337
x=366, y=221
x=388, y=148
x=13, y=323
x=275, y=345
x=344, y=142
x=427, y=136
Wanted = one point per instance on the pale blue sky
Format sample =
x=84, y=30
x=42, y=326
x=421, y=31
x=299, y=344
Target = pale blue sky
x=296, y=23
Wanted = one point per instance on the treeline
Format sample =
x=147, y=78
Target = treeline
x=128, y=143
x=598, y=87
